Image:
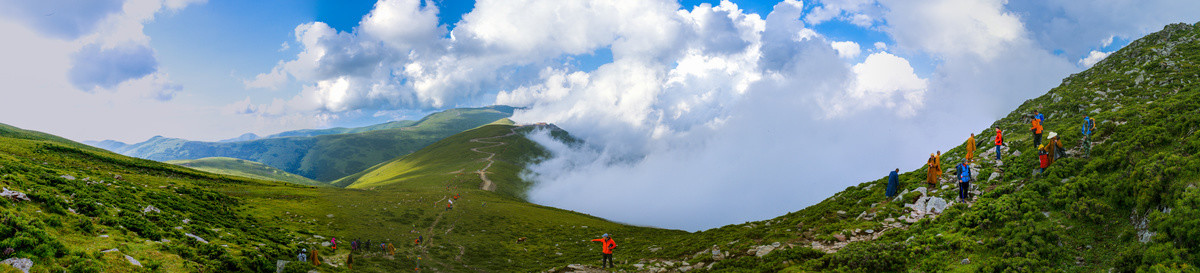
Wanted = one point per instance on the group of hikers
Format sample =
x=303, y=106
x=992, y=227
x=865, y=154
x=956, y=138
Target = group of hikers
x=1047, y=154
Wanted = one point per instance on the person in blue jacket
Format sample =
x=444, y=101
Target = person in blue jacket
x=1088, y=127
x=964, y=175
x=893, y=183
x=1041, y=118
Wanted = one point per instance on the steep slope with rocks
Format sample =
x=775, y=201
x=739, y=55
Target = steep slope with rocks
x=1131, y=205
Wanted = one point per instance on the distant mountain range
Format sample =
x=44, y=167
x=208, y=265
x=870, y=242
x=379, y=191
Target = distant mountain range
x=320, y=154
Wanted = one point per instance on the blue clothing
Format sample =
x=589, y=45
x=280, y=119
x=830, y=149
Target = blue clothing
x=1040, y=117
x=997, y=152
x=1087, y=126
x=964, y=173
x=893, y=183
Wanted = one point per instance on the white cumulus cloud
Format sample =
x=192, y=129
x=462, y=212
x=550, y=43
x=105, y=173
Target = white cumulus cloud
x=847, y=49
x=1093, y=58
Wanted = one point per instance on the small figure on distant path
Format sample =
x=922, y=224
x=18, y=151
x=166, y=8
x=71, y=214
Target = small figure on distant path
x=999, y=142
x=303, y=257
x=970, y=148
x=1036, y=128
x=1088, y=127
x=892, y=185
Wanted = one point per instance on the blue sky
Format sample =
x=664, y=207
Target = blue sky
x=718, y=92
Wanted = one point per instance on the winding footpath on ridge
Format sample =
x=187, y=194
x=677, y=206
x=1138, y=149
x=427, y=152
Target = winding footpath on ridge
x=487, y=184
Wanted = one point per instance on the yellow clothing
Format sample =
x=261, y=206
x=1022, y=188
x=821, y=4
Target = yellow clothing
x=931, y=176
x=970, y=148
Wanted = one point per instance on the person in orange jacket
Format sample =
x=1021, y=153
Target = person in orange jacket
x=1037, y=132
x=607, y=246
x=970, y=148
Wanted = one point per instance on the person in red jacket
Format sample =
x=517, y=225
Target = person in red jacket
x=999, y=142
x=607, y=245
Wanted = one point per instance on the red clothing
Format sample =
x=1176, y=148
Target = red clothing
x=999, y=138
x=1045, y=158
x=607, y=244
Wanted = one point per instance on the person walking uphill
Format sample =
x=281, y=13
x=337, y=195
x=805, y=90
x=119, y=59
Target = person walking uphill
x=606, y=247
x=964, y=176
x=893, y=183
x=1036, y=128
x=970, y=148
x=1089, y=126
x=930, y=176
x=999, y=142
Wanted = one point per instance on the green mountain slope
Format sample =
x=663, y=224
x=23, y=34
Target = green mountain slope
x=460, y=154
x=250, y=224
x=1131, y=206
x=88, y=210
x=327, y=157
x=341, y=130
x=244, y=168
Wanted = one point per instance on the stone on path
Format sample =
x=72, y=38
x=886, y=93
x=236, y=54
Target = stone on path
x=22, y=264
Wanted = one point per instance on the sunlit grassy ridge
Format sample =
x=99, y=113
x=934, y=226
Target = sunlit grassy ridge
x=244, y=168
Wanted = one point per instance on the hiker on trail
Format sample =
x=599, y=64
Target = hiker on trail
x=391, y=249
x=1041, y=118
x=333, y=242
x=999, y=142
x=382, y=247
x=1036, y=128
x=893, y=183
x=354, y=245
x=303, y=257
x=449, y=205
x=964, y=176
x=1043, y=159
x=938, y=163
x=316, y=257
x=350, y=260
x=1089, y=126
x=970, y=147
x=418, y=240
x=930, y=176
x=1056, y=149
x=607, y=246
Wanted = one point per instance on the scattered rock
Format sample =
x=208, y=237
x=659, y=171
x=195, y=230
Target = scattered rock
x=68, y=177
x=1016, y=153
x=109, y=250
x=839, y=237
x=196, y=237
x=994, y=176
x=22, y=264
x=870, y=231
x=280, y=264
x=133, y=261
x=329, y=215
x=151, y=208
x=14, y=195
x=966, y=261
x=841, y=212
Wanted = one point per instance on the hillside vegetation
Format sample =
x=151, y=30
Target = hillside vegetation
x=1131, y=206
x=68, y=208
x=327, y=157
x=244, y=168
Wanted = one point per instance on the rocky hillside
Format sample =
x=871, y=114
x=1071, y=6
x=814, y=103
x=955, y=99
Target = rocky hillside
x=1130, y=206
